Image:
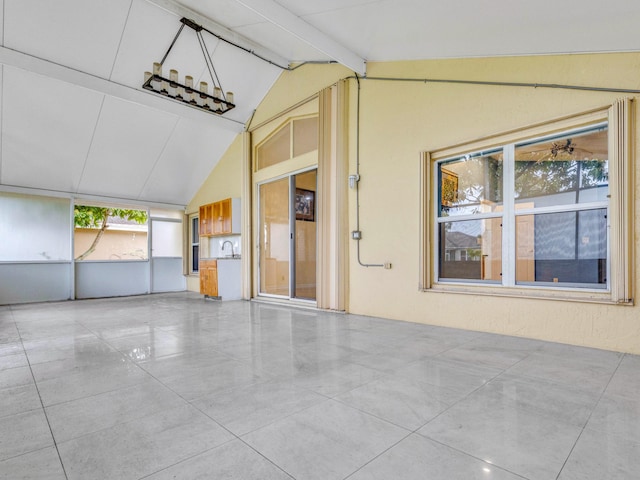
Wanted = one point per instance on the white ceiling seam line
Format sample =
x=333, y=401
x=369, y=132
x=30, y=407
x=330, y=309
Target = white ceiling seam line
x=217, y=29
x=124, y=28
x=23, y=61
x=155, y=164
x=296, y=26
x=93, y=136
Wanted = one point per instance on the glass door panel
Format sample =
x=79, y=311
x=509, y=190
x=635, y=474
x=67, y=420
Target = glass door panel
x=274, y=238
x=305, y=235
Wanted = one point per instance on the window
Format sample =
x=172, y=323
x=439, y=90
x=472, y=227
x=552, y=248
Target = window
x=107, y=232
x=295, y=138
x=195, y=244
x=539, y=210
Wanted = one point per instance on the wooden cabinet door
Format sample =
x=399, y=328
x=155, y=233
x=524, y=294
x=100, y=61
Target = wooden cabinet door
x=203, y=220
x=206, y=225
x=217, y=218
x=225, y=215
x=209, y=278
x=213, y=281
x=204, y=273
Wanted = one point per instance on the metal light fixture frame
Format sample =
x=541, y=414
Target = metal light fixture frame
x=221, y=102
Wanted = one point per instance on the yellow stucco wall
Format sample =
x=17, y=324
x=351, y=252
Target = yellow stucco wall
x=224, y=181
x=398, y=121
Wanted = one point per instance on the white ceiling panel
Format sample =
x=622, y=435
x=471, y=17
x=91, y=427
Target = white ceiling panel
x=190, y=155
x=308, y=8
x=409, y=29
x=47, y=130
x=246, y=76
x=226, y=12
x=276, y=39
x=80, y=34
x=128, y=141
x=150, y=31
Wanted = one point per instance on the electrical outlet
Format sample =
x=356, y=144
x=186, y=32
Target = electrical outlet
x=387, y=265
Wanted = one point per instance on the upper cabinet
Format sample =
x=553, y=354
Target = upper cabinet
x=220, y=218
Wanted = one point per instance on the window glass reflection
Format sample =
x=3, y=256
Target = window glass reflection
x=471, y=184
x=565, y=170
x=471, y=249
x=564, y=247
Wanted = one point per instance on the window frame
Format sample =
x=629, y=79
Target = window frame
x=284, y=164
x=619, y=224
x=193, y=220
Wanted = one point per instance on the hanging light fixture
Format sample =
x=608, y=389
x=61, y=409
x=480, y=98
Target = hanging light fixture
x=213, y=100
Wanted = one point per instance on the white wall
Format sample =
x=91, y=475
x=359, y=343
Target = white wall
x=34, y=282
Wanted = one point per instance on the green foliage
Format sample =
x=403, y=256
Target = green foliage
x=95, y=217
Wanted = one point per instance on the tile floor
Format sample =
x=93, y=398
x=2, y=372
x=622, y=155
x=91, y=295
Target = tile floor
x=172, y=386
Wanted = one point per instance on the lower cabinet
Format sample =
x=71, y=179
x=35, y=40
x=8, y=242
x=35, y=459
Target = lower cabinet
x=209, y=277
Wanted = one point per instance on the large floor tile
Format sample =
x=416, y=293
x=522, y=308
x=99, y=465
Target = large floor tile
x=602, y=456
x=449, y=374
x=334, y=380
x=617, y=415
x=82, y=350
x=153, y=344
x=185, y=363
x=626, y=380
x=566, y=403
x=245, y=409
x=9, y=333
x=37, y=465
x=15, y=377
x=141, y=447
x=404, y=402
x=588, y=373
x=11, y=348
x=504, y=434
x=369, y=341
x=77, y=361
x=23, y=433
x=325, y=442
x=46, y=329
x=418, y=458
x=13, y=360
x=402, y=353
x=18, y=400
x=582, y=354
x=87, y=415
x=497, y=352
x=218, y=377
x=90, y=381
x=232, y=461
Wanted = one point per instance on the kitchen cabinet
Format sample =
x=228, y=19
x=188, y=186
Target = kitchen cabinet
x=206, y=220
x=220, y=218
x=209, y=277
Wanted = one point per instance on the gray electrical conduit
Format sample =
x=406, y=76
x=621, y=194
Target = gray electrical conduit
x=461, y=82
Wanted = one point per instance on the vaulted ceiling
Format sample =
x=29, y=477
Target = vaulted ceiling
x=74, y=118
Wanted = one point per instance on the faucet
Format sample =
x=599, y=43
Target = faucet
x=229, y=242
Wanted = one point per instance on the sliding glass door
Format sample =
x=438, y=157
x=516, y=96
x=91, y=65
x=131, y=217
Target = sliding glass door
x=287, y=236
